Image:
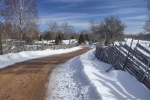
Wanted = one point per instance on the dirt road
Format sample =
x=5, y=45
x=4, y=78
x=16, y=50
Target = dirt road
x=26, y=80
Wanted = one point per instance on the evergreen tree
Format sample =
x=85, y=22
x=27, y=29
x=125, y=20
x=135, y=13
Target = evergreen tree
x=40, y=38
x=56, y=40
x=63, y=37
x=47, y=36
x=72, y=37
x=60, y=38
x=81, y=39
x=87, y=38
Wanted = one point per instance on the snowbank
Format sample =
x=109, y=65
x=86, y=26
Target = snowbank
x=12, y=58
x=115, y=85
x=82, y=78
x=72, y=41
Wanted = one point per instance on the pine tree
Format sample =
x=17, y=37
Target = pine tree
x=47, y=36
x=40, y=38
x=56, y=40
x=87, y=38
x=72, y=37
x=63, y=37
x=81, y=39
x=60, y=38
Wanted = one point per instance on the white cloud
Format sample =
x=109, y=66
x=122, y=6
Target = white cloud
x=133, y=31
x=136, y=17
x=128, y=10
x=134, y=27
x=72, y=18
x=46, y=1
x=61, y=17
x=137, y=23
x=121, y=3
x=75, y=20
x=81, y=25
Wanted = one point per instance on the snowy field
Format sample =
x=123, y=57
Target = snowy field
x=82, y=78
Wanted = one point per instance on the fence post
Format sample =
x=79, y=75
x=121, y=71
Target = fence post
x=126, y=40
x=37, y=47
x=42, y=44
x=137, y=43
x=146, y=71
x=127, y=55
x=117, y=61
x=1, y=49
x=10, y=49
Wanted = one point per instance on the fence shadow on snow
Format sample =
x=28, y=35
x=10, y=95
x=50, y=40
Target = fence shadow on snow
x=136, y=60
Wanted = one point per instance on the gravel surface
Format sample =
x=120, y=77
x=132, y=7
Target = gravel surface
x=27, y=80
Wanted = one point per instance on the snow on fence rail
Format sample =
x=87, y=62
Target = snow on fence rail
x=14, y=49
x=122, y=57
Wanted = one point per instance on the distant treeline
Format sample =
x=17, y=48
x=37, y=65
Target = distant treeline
x=140, y=36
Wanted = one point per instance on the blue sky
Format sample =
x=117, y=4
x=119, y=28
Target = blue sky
x=78, y=12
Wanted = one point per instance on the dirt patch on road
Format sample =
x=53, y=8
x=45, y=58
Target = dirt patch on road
x=26, y=80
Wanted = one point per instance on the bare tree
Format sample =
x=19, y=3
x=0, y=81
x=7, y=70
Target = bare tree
x=8, y=28
x=93, y=28
x=148, y=4
x=1, y=36
x=66, y=29
x=31, y=32
x=112, y=28
x=147, y=25
x=53, y=28
x=19, y=13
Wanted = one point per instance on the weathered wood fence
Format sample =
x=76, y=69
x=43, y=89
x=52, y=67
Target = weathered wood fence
x=14, y=49
x=122, y=57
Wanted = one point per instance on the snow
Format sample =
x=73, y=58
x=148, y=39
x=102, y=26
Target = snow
x=52, y=41
x=144, y=43
x=71, y=41
x=82, y=78
x=141, y=42
x=45, y=42
x=12, y=58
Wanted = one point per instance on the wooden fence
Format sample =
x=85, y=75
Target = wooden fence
x=14, y=49
x=122, y=57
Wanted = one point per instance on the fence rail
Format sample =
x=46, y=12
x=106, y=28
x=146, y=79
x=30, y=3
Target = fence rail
x=14, y=49
x=122, y=57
